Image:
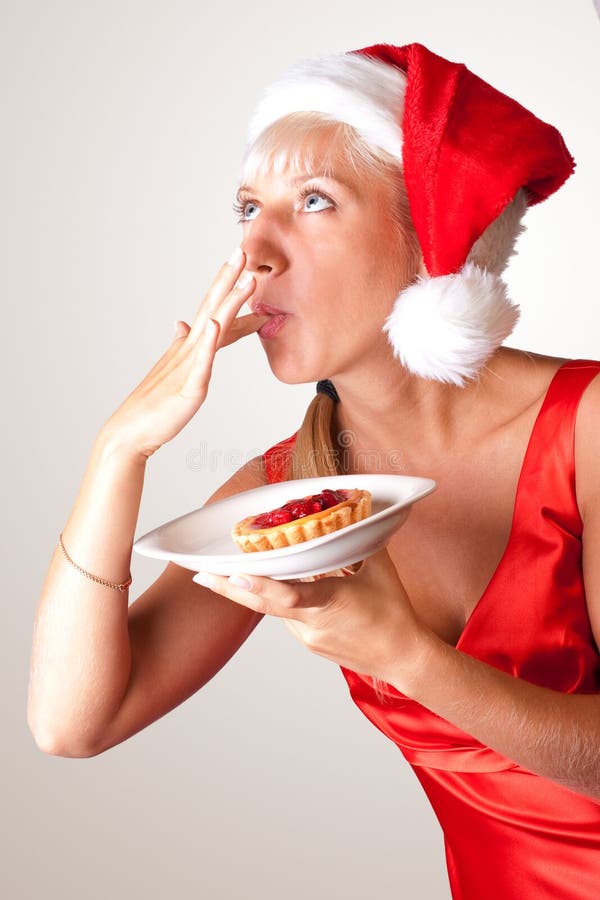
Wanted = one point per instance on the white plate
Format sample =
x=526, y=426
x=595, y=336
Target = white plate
x=201, y=540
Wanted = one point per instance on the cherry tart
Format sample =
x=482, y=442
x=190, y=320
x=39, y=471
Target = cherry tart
x=302, y=519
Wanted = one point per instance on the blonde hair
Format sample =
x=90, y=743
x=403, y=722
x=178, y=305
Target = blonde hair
x=288, y=146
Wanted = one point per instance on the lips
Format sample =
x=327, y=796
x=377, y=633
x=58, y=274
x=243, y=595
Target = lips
x=272, y=326
x=264, y=309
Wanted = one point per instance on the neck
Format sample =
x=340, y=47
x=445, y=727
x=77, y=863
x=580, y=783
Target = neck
x=384, y=408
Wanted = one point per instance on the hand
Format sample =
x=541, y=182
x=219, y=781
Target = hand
x=176, y=387
x=364, y=622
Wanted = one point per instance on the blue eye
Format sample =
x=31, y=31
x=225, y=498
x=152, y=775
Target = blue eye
x=310, y=196
x=240, y=208
x=249, y=206
x=314, y=201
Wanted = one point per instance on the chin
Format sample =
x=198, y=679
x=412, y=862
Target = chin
x=293, y=372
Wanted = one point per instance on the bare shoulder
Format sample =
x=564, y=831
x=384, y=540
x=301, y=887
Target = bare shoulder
x=521, y=380
x=531, y=372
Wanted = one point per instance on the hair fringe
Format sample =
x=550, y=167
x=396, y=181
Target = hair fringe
x=288, y=146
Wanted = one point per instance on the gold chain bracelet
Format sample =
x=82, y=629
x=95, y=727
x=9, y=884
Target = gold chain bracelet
x=118, y=587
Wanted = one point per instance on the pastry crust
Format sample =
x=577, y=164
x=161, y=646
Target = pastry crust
x=355, y=507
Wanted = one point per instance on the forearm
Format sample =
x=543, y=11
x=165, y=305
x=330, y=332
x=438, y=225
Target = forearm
x=80, y=660
x=553, y=734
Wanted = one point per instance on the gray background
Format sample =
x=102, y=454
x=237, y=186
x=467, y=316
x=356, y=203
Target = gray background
x=122, y=129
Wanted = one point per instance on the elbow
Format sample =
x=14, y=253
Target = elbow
x=54, y=747
x=53, y=743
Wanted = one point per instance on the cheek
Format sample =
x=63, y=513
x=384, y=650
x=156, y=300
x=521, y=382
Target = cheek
x=319, y=281
x=355, y=278
x=379, y=282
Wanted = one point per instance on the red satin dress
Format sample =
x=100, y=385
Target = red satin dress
x=510, y=834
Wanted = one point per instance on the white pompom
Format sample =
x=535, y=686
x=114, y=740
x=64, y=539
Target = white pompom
x=445, y=328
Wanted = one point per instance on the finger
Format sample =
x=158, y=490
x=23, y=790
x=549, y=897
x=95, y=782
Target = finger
x=223, y=585
x=271, y=596
x=241, y=326
x=226, y=306
x=197, y=380
x=222, y=286
x=226, y=313
x=228, y=275
x=182, y=329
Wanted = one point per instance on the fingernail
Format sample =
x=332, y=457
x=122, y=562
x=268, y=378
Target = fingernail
x=238, y=581
x=244, y=280
x=205, y=579
x=175, y=326
x=235, y=256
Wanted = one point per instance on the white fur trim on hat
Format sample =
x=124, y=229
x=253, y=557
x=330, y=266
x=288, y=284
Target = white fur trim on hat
x=445, y=328
x=363, y=92
x=442, y=328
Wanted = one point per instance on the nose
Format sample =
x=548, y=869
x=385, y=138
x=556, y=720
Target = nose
x=263, y=246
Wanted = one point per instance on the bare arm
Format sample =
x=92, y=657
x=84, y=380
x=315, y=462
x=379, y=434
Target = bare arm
x=552, y=734
x=181, y=634
x=101, y=672
x=80, y=656
x=85, y=664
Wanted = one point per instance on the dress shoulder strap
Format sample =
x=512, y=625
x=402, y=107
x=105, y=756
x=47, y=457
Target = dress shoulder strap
x=549, y=465
x=277, y=458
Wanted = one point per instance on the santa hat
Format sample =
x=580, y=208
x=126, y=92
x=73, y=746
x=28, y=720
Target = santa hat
x=467, y=151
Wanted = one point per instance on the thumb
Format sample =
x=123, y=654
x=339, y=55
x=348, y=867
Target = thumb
x=180, y=329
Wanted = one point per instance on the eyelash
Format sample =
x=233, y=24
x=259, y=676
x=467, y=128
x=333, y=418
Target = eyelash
x=306, y=191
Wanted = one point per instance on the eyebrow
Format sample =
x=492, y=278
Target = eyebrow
x=304, y=176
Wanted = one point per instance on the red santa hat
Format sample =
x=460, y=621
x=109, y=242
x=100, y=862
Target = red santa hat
x=468, y=152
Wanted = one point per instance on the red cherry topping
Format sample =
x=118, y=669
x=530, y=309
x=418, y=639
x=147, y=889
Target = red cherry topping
x=300, y=507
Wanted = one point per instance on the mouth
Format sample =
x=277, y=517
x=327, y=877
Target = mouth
x=263, y=309
x=272, y=326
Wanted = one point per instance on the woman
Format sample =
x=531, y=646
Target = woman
x=383, y=192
